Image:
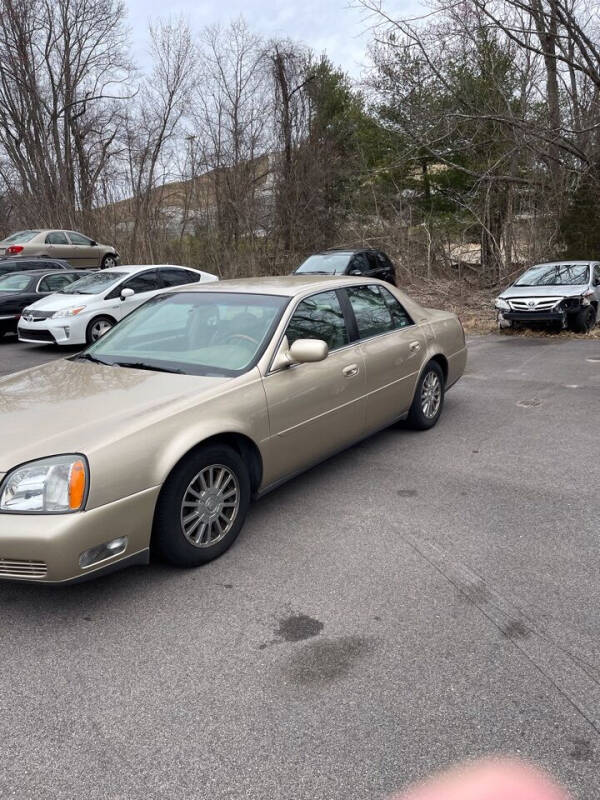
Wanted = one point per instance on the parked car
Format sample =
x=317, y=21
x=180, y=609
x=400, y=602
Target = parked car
x=563, y=294
x=18, y=289
x=199, y=400
x=86, y=310
x=364, y=263
x=19, y=264
x=74, y=247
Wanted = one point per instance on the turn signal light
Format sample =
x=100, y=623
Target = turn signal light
x=77, y=485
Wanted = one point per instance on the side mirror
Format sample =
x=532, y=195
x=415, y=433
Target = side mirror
x=93, y=243
x=304, y=351
x=125, y=293
x=355, y=272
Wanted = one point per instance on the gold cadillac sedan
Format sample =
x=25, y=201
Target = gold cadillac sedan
x=157, y=437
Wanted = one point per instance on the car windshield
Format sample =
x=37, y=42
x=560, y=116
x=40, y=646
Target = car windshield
x=197, y=333
x=14, y=283
x=325, y=264
x=94, y=284
x=555, y=275
x=21, y=236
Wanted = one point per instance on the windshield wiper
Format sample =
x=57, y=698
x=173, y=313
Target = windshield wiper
x=89, y=357
x=143, y=365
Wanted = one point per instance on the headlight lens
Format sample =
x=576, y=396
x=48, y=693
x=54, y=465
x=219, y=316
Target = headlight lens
x=502, y=304
x=56, y=485
x=67, y=312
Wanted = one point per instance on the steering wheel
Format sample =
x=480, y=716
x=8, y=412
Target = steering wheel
x=240, y=336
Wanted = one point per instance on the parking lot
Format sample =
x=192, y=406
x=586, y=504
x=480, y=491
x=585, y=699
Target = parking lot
x=420, y=599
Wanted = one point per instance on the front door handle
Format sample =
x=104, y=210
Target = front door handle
x=350, y=371
x=415, y=347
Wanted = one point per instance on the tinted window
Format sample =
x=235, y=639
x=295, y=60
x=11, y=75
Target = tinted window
x=78, y=238
x=371, y=311
x=11, y=266
x=383, y=261
x=319, y=317
x=144, y=282
x=52, y=283
x=56, y=237
x=597, y=274
x=360, y=262
x=400, y=318
x=178, y=277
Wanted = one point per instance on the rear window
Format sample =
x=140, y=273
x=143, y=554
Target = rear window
x=20, y=237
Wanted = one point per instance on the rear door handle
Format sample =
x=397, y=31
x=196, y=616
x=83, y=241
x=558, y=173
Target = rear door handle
x=350, y=371
x=415, y=347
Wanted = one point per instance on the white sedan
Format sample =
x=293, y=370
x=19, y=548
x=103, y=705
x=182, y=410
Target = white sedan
x=82, y=312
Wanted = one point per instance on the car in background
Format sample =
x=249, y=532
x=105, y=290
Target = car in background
x=74, y=247
x=19, y=264
x=19, y=289
x=84, y=311
x=366, y=263
x=201, y=399
x=560, y=294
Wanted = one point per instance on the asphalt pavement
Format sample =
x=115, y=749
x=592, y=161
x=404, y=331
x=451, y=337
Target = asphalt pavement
x=421, y=599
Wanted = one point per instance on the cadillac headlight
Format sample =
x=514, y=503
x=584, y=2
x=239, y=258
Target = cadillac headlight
x=502, y=304
x=55, y=485
x=67, y=312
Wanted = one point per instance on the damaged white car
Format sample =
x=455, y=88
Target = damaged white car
x=560, y=294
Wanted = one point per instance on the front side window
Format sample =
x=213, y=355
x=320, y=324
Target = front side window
x=555, y=275
x=56, y=237
x=597, y=275
x=78, y=238
x=319, y=317
x=370, y=311
x=360, y=263
x=197, y=333
x=144, y=282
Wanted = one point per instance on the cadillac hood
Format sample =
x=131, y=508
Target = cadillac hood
x=74, y=406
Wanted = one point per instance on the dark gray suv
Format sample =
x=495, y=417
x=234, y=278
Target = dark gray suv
x=365, y=262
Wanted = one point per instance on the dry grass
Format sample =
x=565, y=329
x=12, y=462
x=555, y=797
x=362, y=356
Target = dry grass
x=475, y=308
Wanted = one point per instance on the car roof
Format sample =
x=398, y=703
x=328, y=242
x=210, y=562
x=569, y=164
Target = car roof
x=32, y=273
x=345, y=251
x=584, y=262
x=133, y=268
x=285, y=285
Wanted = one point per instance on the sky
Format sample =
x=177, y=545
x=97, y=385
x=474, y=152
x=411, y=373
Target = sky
x=331, y=26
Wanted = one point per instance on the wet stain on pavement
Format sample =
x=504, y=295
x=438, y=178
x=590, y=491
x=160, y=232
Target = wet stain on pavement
x=476, y=592
x=407, y=493
x=514, y=629
x=325, y=660
x=298, y=627
x=582, y=750
x=533, y=402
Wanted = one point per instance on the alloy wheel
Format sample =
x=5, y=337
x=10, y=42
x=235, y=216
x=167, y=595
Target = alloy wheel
x=210, y=505
x=431, y=395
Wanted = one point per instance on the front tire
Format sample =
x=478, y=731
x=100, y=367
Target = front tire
x=202, y=507
x=428, y=401
x=584, y=320
x=97, y=327
x=108, y=262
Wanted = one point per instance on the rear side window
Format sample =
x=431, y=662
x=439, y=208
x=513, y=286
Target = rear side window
x=56, y=237
x=360, y=263
x=319, y=317
x=370, y=311
x=400, y=317
x=178, y=277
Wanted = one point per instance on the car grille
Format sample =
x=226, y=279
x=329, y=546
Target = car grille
x=10, y=568
x=533, y=303
x=37, y=336
x=36, y=316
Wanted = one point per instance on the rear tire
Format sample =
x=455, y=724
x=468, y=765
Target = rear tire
x=97, y=327
x=202, y=507
x=583, y=321
x=428, y=401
